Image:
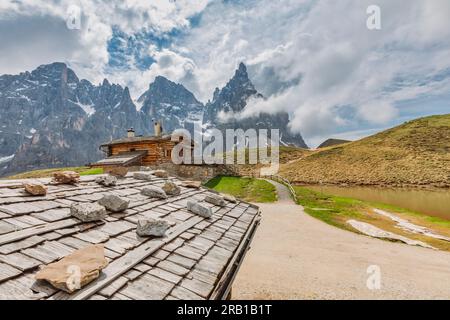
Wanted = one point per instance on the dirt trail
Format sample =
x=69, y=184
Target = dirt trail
x=294, y=256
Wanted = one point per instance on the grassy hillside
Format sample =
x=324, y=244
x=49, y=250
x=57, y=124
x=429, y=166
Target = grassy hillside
x=415, y=153
x=332, y=142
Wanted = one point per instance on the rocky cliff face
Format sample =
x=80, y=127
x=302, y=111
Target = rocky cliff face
x=223, y=111
x=50, y=118
x=172, y=103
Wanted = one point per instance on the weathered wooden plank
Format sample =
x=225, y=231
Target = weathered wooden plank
x=51, y=235
x=6, y=227
x=115, y=286
x=164, y=275
x=8, y=272
x=184, y=294
x=189, y=252
x=20, y=261
x=123, y=264
x=147, y=287
x=23, y=244
x=222, y=289
x=182, y=261
x=92, y=236
x=117, y=227
x=42, y=254
x=118, y=245
x=18, y=224
x=25, y=233
x=173, y=268
x=199, y=287
x=74, y=242
x=142, y=267
x=16, y=209
x=32, y=221
x=53, y=214
x=16, y=289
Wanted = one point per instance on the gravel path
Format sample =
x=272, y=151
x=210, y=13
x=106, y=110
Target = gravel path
x=295, y=256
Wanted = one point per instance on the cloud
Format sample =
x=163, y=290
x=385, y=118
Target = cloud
x=314, y=59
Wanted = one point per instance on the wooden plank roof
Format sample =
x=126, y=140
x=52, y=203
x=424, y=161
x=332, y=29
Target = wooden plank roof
x=122, y=159
x=198, y=258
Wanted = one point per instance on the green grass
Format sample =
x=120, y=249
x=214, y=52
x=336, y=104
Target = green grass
x=337, y=211
x=92, y=171
x=46, y=173
x=330, y=209
x=247, y=189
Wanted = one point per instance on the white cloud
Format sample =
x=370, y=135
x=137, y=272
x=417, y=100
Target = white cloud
x=315, y=59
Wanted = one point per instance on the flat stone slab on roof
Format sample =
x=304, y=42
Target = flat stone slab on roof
x=196, y=260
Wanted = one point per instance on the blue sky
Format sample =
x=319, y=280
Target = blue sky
x=315, y=59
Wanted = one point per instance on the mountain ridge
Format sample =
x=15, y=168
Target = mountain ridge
x=52, y=118
x=412, y=154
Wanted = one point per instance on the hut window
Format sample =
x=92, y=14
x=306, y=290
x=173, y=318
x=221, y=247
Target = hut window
x=132, y=149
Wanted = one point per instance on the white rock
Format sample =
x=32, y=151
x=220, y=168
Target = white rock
x=199, y=209
x=87, y=212
x=142, y=176
x=154, y=192
x=152, y=227
x=114, y=203
x=375, y=232
x=107, y=181
x=216, y=200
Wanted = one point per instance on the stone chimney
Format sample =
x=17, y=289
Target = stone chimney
x=158, y=129
x=131, y=133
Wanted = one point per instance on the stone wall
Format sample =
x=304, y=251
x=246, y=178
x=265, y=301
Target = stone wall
x=197, y=172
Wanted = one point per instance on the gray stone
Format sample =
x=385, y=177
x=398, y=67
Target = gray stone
x=216, y=199
x=142, y=176
x=154, y=192
x=229, y=197
x=107, y=181
x=87, y=212
x=161, y=174
x=171, y=188
x=114, y=203
x=152, y=227
x=199, y=209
